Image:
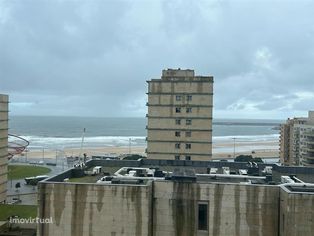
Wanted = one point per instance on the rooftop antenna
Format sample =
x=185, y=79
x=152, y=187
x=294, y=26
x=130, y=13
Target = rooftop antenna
x=83, y=135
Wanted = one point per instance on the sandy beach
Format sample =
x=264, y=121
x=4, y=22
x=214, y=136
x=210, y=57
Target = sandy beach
x=267, y=149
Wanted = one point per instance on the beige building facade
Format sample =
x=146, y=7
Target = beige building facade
x=179, y=119
x=297, y=141
x=3, y=146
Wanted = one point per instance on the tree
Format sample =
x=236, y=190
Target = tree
x=248, y=158
x=258, y=159
x=243, y=158
x=33, y=183
x=17, y=186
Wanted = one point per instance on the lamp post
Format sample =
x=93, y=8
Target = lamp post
x=56, y=157
x=43, y=155
x=26, y=151
x=234, y=139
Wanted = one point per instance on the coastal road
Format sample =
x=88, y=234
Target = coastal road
x=27, y=193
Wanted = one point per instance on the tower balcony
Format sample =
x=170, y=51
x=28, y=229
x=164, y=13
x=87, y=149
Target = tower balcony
x=310, y=149
x=308, y=162
x=310, y=134
x=309, y=156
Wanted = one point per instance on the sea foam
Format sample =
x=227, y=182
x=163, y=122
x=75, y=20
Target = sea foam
x=39, y=142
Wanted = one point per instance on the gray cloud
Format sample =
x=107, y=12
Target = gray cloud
x=93, y=57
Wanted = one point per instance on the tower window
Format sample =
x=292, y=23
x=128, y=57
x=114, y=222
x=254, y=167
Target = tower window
x=187, y=158
x=189, y=98
x=177, y=145
x=188, y=109
x=188, y=134
x=178, y=110
x=178, y=98
x=188, y=122
x=177, y=157
x=188, y=146
x=178, y=122
x=177, y=134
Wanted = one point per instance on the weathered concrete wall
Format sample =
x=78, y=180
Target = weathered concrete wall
x=198, y=99
x=169, y=147
x=170, y=208
x=170, y=123
x=94, y=210
x=296, y=214
x=193, y=136
x=202, y=86
x=182, y=156
x=233, y=209
x=170, y=111
x=3, y=145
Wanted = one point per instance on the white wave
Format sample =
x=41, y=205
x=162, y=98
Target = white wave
x=246, y=138
x=61, y=142
x=110, y=141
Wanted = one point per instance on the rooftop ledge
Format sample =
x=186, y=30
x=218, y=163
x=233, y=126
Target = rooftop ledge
x=299, y=188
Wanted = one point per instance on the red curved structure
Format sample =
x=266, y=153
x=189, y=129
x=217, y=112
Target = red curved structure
x=16, y=145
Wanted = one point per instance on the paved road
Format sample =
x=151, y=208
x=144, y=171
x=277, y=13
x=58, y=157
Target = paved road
x=27, y=193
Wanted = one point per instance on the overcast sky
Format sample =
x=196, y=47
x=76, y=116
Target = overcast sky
x=92, y=58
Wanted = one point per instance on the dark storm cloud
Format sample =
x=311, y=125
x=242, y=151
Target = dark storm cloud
x=93, y=57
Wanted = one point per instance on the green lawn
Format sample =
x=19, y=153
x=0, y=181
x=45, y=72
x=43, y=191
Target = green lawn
x=23, y=211
x=23, y=171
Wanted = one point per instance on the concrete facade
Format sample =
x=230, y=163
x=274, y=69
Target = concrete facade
x=3, y=145
x=171, y=208
x=296, y=211
x=179, y=124
x=233, y=209
x=85, y=209
x=297, y=141
x=179, y=205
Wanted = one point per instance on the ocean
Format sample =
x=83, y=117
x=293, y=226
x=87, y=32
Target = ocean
x=66, y=132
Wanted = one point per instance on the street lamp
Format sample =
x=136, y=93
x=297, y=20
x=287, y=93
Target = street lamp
x=234, y=139
x=44, y=155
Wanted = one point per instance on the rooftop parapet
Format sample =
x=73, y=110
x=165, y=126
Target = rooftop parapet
x=299, y=188
x=178, y=75
x=172, y=73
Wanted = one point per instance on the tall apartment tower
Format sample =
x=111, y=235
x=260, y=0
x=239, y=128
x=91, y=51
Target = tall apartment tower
x=297, y=141
x=3, y=146
x=179, y=124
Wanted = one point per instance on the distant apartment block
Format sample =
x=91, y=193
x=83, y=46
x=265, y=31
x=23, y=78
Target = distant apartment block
x=297, y=141
x=3, y=146
x=179, y=116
